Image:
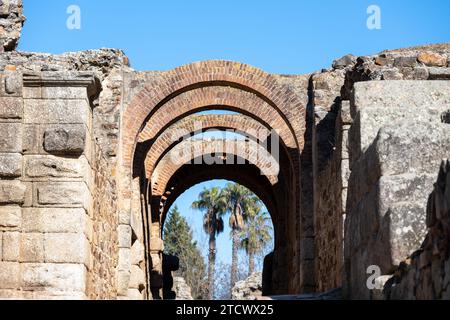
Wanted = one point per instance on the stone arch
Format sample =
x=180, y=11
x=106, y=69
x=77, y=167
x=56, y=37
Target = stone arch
x=170, y=99
x=217, y=98
x=199, y=123
x=210, y=73
x=177, y=157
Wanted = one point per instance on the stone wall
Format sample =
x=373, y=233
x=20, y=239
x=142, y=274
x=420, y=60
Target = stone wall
x=328, y=211
x=426, y=274
x=102, y=277
x=248, y=289
x=396, y=143
x=46, y=187
x=76, y=218
x=11, y=22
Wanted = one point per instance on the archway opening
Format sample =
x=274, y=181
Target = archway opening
x=242, y=241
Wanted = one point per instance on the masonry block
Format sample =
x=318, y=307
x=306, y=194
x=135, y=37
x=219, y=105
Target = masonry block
x=124, y=234
x=10, y=218
x=11, y=137
x=32, y=247
x=11, y=108
x=37, y=111
x=12, y=84
x=381, y=102
x=12, y=192
x=10, y=165
x=65, y=194
x=137, y=278
x=137, y=253
x=69, y=139
x=67, y=248
x=124, y=259
x=11, y=246
x=9, y=275
x=123, y=281
x=54, y=220
x=49, y=276
x=51, y=167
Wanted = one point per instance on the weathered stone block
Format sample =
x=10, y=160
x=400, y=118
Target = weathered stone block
x=439, y=73
x=124, y=234
x=54, y=167
x=124, y=217
x=344, y=62
x=12, y=192
x=32, y=139
x=11, y=108
x=32, y=247
x=63, y=277
x=134, y=294
x=123, y=280
x=69, y=93
x=54, y=220
x=10, y=165
x=156, y=244
x=412, y=147
x=12, y=83
x=405, y=61
x=66, y=248
x=11, y=246
x=69, y=139
x=407, y=230
x=400, y=94
x=137, y=278
x=10, y=218
x=56, y=111
x=11, y=137
x=72, y=194
x=124, y=259
x=432, y=59
x=392, y=74
x=137, y=253
x=9, y=275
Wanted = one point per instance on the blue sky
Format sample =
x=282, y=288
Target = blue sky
x=291, y=36
x=288, y=37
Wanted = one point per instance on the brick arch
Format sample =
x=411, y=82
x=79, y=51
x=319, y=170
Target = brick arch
x=247, y=150
x=217, y=97
x=190, y=125
x=208, y=73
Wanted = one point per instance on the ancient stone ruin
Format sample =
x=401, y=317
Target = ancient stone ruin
x=87, y=177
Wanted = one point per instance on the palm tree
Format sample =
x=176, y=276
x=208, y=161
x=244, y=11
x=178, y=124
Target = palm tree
x=212, y=202
x=256, y=235
x=239, y=199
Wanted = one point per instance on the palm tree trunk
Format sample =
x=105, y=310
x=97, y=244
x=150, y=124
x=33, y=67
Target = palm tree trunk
x=251, y=264
x=211, y=264
x=234, y=259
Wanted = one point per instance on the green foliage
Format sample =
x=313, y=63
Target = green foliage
x=178, y=241
x=257, y=233
x=213, y=204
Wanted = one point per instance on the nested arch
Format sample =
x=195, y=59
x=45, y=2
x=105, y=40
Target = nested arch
x=214, y=152
x=205, y=74
x=168, y=101
x=217, y=97
x=195, y=124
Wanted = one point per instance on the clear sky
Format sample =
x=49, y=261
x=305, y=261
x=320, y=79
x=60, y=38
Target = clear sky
x=280, y=36
x=289, y=37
